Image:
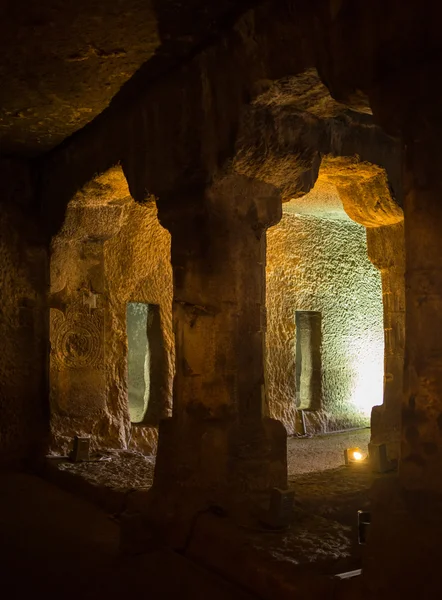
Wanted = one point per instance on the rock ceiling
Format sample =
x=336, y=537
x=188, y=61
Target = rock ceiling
x=61, y=61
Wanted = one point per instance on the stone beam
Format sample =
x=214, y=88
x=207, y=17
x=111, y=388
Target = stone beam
x=385, y=247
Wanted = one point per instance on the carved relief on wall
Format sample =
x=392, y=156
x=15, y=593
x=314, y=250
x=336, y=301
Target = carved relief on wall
x=77, y=338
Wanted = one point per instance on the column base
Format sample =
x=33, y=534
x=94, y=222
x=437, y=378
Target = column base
x=386, y=429
x=217, y=466
x=221, y=455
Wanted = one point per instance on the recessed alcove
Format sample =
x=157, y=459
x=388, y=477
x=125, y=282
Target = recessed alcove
x=138, y=359
x=146, y=361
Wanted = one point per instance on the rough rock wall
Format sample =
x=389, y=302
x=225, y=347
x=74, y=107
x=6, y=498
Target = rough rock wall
x=367, y=198
x=316, y=264
x=105, y=256
x=23, y=326
x=137, y=267
x=179, y=132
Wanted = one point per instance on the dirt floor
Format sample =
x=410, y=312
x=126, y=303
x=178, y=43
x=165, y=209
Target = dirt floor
x=324, y=487
x=65, y=545
x=322, y=452
x=122, y=471
x=54, y=545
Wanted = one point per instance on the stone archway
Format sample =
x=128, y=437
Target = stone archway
x=109, y=251
x=295, y=136
x=367, y=199
x=317, y=260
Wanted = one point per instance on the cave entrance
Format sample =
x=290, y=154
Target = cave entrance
x=144, y=358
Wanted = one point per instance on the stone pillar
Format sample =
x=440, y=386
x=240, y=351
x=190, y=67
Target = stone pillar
x=421, y=461
x=368, y=201
x=403, y=553
x=219, y=437
x=386, y=251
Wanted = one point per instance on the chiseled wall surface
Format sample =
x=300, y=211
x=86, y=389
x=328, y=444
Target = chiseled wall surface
x=106, y=255
x=322, y=265
x=137, y=268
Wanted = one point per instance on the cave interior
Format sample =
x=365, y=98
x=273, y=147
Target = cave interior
x=221, y=299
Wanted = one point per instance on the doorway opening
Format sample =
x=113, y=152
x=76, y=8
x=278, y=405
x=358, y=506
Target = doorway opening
x=138, y=360
x=308, y=360
x=145, y=359
x=325, y=329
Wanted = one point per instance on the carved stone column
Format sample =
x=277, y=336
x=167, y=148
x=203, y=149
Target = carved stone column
x=403, y=554
x=368, y=201
x=386, y=251
x=219, y=437
x=421, y=461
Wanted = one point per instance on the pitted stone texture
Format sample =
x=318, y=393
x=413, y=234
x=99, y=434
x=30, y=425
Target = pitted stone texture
x=421, y=444
x=322, y=202
x=138, y=269
x=110, y=251
x=364, y=190
x=77, y=338
x=386, y=249
x=322, y=265
x=62, y=62
x=182, y=131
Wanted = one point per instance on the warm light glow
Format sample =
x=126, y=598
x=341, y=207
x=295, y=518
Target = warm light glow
x=354, y=456
x=367, y=363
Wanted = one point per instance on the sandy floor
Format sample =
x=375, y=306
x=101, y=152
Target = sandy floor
x=56, y=546
x=327, y=498
x=127, y=470
x=118, y=469
x=319, y=453
x=323, y=486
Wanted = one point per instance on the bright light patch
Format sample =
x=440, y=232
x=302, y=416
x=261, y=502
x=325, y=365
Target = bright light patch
x=367, y=365
x=353, y=456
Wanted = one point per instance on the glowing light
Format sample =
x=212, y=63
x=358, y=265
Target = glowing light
x=367, y=365
x=353, y=455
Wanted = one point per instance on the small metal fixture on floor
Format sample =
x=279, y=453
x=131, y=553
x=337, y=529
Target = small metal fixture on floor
x=364, y=520
x=349, y=574
x=280, y=511
x=80, y=451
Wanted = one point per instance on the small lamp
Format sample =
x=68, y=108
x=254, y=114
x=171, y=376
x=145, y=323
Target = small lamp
x=353, y=456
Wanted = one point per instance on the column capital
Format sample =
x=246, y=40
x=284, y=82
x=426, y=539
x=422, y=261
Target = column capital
x=176, y=211
x=249, y=201
x=237, y=199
